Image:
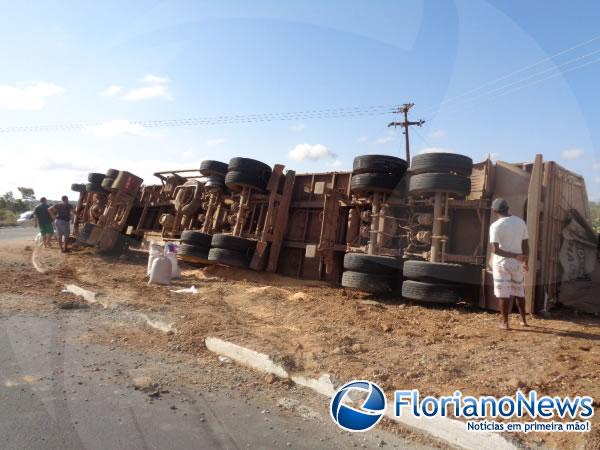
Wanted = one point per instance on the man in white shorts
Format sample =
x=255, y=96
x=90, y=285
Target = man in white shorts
x=508, y=235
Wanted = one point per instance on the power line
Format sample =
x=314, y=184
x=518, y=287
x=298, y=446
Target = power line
x=530, y=77
x=511, y=74
x=518, y=88
x=328, y=113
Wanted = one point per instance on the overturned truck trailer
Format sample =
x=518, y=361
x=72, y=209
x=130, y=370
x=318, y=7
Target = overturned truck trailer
x=386, y=228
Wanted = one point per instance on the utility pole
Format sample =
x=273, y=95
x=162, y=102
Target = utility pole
x=405, y=124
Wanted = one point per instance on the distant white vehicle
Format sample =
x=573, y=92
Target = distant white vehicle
x=25, y=217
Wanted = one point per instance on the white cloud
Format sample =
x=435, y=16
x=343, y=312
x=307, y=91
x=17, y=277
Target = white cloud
x=312, y=152
x=597, y=179
x=154, y=79
x=154, y=91
x=435, y=150
x=438, y=134
x=29, y=97
x=362, y=140
x=217, y=141
x=67, y=165
x=494, y=156
x=596, y=166
x=572, y=153
x=118, y=128
x=111, y=90
x=187, y=154
x=154, y=86
x=298, y=127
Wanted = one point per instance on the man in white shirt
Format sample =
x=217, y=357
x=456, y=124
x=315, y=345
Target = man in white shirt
x=508, y=235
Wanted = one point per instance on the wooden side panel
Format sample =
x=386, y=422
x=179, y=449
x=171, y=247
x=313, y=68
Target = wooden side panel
x=562, y=190
x=512, y=184
x=533, y=229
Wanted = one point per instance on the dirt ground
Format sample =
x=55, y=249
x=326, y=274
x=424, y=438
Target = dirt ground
x=312, y=328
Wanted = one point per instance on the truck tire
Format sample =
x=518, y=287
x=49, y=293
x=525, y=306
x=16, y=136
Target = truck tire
x=228, y=257
x=112, y=173
x=93, y=187
x=249, y=165
x=379, y=164
x=424, y=183
x=195, y=238
x=208, y=168
x=193, y=250
x=95, y=178
x=237, y=180
x=237, y=244
x=431, y=292
x=444, y=272
x=376, y=182
x=359, y=262
x=214, y=181
x=442, y=163
x=107, y=183
x=368, y=282
x=78, y=187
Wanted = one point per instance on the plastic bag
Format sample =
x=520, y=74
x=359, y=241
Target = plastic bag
x=160, y=272
x=175, y=272
x=155, y=251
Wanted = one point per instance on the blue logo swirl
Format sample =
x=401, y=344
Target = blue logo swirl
x=367, y=415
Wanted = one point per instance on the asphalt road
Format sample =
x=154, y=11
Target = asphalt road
x=16, y=233
x=59, y=393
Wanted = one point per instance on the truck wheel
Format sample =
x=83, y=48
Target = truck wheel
x=379, y=164
x=237, y=180
x=439, y=182
x=444, y=272
x=95, y=178
x=112, y=173
x=431, y=292
x=249, y=165
x=376, y=182
x=195, y=238
x=368, y=282
x=208, y=168
x=237, y=244
x=77, y=187
x=107, y=183
x=193, y=250
x=359, y=262
x=213, y=181
x=442, y=163
x=228, y=257
x=93, y=187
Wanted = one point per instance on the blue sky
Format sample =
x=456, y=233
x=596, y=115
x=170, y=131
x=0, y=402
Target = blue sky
x=111, y=63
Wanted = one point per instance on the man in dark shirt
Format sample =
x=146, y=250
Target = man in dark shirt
x=62, y=221
x=44, y=221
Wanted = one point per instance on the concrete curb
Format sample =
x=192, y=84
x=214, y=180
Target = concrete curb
x=448, y=430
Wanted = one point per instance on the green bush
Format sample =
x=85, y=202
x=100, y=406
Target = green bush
x=7, y=217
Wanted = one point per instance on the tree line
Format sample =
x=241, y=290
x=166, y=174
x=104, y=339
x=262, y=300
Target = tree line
x=11, y=207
